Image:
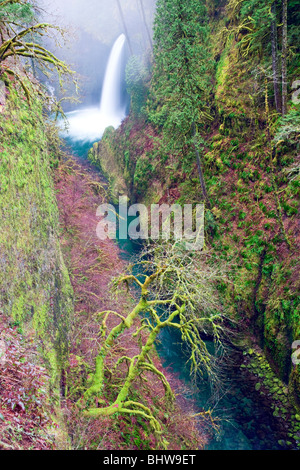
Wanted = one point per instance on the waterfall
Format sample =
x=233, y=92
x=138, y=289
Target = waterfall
x=111, y=101
x=89, y=124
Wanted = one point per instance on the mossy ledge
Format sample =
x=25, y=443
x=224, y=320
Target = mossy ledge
x=35, y=287
x=253, y=189
x=102, y=156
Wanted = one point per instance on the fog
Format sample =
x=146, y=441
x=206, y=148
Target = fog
x=92, y=28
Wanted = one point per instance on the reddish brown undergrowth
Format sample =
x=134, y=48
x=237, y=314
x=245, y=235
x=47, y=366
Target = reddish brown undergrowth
x=92, y=265
x=25, y=413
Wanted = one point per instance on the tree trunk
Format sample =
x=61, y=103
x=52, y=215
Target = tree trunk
x=284, y=57
x=201, y=176
x=275, y=60
x=124, y=26
x=146, y=24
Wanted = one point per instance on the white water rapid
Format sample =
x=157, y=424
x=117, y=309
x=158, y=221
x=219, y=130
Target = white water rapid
x=89, y=124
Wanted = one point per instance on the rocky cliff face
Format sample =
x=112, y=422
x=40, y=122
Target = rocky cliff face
x=253, y=190
x=35, y=289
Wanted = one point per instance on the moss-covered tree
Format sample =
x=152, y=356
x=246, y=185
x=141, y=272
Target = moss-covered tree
x=20, y=36
x=178, y=292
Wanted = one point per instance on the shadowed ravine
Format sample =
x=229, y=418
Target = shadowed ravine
x=245, y=424
x=149, y=242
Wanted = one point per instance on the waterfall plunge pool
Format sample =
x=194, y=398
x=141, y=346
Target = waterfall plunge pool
x=88, y=124
x=245, y=423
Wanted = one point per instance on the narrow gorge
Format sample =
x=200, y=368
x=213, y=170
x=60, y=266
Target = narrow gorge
x=114, y=337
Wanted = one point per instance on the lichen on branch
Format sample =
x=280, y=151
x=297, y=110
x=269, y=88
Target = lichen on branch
x=22, y=41
x=171, y=295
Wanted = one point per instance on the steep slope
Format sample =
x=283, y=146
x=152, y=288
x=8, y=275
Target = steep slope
x=250, y=159
x=35, y=290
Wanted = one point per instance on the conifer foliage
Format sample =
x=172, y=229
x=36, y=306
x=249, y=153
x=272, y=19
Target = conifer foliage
x=182, y=78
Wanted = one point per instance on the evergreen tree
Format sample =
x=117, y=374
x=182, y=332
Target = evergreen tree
x=284, y=56
x=267, y=32
x=182, y=79
x=124, y=26
x=275, y=59
x=145, y=23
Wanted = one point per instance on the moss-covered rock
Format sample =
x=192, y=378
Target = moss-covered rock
x=35, y=288
x=103, y=155
x=279, y=396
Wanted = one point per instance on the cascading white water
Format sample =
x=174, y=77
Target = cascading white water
x=111, y=101
x=89, y=124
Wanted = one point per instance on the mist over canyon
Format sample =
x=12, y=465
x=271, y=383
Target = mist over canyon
x=92, y=28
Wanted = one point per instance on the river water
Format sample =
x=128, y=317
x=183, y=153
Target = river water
x=244, y=423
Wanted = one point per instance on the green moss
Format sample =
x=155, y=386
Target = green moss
x=278, y=393
x=35, y=286
x=102, y=155
x=244, y=222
